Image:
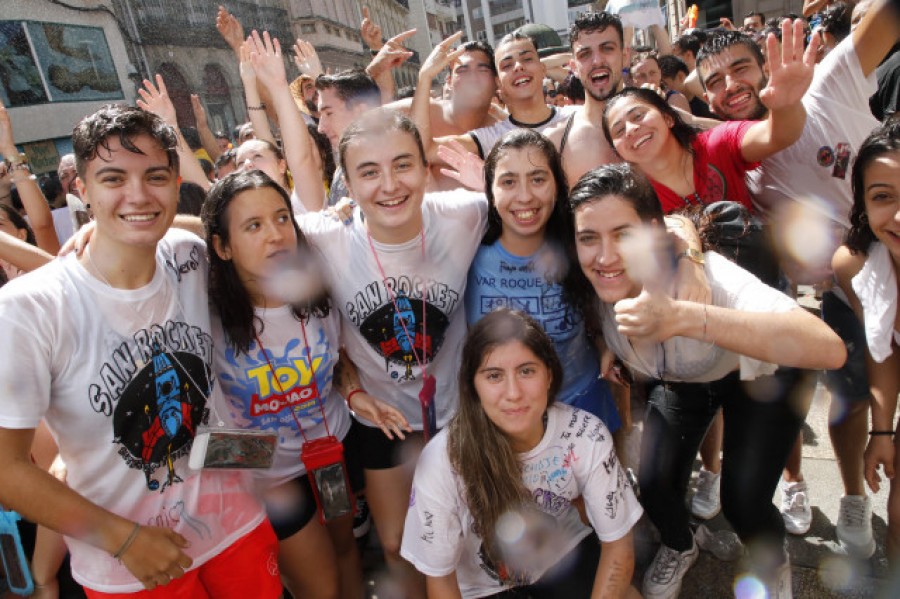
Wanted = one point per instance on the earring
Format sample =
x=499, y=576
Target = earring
x=864, y=219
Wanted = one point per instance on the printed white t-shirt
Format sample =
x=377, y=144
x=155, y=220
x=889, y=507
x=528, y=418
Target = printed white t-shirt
x=575, y=458
x=120, y=376
x=256, y=400
x=372, y=328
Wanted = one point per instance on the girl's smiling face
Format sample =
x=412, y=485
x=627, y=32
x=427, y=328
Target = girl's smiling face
x=638, y=130
x=881, y=186
x=524, y=191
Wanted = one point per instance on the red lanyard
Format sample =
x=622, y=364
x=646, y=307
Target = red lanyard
x=312, y=370
x=421, y=361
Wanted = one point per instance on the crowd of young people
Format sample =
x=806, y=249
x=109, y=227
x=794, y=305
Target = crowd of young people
x=450, y=323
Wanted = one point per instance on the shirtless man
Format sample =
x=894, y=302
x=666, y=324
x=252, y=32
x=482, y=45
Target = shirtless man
x=597, y=59
x=472, y=83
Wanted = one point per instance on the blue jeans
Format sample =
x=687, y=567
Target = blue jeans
x=762, y=420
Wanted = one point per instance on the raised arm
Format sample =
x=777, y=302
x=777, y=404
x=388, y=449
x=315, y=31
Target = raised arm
x=255, y=107
x=265, y=56
x=207, y=137
x=440, y=58
x=33, y=200
x=21, y=254
x=156, y=99
x=876, y=33
x=392, y=55
x=791, y=72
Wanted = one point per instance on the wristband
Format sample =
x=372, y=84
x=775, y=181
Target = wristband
x=350, y=395
x=880, y=433
x=134, y=533
x=260, y=107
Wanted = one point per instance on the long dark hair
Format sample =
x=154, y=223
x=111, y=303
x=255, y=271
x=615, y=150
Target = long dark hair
x=477, y=448
x=683, y=132
x=19, y=223
x=558, y=224
x=624, y=181
x=885, y=139
x=227, y=293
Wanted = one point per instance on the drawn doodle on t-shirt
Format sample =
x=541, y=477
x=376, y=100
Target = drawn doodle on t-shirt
x=400, y=334
x=158, y=412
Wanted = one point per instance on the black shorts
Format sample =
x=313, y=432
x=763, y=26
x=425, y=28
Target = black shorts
x=380, y=453
x=292, y=506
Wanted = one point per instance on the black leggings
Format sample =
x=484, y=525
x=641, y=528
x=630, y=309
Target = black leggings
x=762, y=420
x=572, y=578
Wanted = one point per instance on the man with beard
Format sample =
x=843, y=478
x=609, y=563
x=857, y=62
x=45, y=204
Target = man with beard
x=814, y=173
x=305, y=94
x=598, y=56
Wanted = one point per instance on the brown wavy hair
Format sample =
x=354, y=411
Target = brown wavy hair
x=478, y=450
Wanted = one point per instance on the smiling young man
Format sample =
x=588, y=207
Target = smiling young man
x=813, y=173
x=112, y=349
x=598, y=56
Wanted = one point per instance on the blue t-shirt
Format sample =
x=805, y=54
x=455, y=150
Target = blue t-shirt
x=498, y=278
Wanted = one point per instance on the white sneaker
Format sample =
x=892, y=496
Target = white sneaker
x=795, y=508
x=705, y=503
x=663, y=578
x=723, y=544
x=854, y=526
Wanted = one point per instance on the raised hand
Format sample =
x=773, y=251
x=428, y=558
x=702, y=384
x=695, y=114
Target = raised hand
x=371, y=33
x=265, y=56
x=392, y=54
x=7, y=143
x=467, y=168
x=440, y=58
x=156, y=99
x=230, y=28
x=791, y=69
x=307, y=59
x=199, y=112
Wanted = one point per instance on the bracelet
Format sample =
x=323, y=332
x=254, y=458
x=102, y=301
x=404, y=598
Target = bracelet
x=260, y=107
x=705, y=320
x=880, y=433
x=351, y=394
x=134, y=533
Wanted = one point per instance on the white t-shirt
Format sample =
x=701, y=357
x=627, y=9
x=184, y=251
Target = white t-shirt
x=372, y=330
x=255, y=400
x=575, y=458
x=693, y=361
x=486, y=137
x=119, y=376
x=815, y=170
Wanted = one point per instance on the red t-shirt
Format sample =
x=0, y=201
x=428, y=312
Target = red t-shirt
x=718, y=169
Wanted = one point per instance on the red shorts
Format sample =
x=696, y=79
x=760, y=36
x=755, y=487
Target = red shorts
x=248, y=568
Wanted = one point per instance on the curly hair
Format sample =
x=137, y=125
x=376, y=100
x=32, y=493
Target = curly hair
x=885, y=139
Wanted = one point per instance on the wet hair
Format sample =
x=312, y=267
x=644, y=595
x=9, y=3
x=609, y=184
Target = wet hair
x=353, y=87
x=884, y=139
x=279, y=155
x=590, y=22
x=326, y=153
x=721, y=41
x=192, y=138
x=516, y=36
x=626, y=182
x=683, y=132
x=125, y=123
x=479, y=46
x=378, y=121
x=558, y=226
x=479, y=452
x=836, y=20
x=190, y=198
x=19, y=222
x=572, y=88
x=670, y=65
x=227, y=293
x=227, y=157
x=688, y=43
x=753, y=13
